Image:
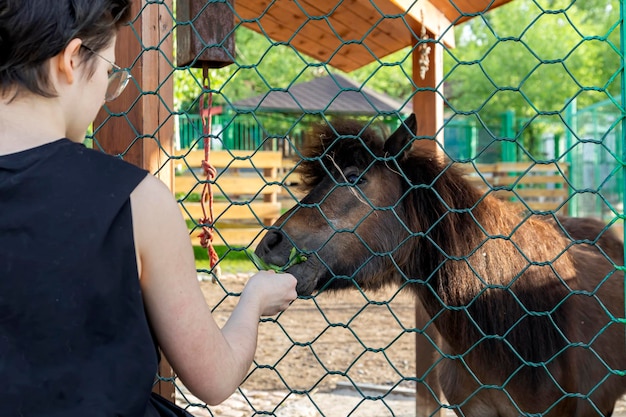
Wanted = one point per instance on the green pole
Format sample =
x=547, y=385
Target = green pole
x=571, y=121
x=622, y=15
x=509, y=147
x=229, y=129
x=473, y=142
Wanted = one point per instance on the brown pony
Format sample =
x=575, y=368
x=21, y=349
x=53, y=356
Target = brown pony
x=527, y=305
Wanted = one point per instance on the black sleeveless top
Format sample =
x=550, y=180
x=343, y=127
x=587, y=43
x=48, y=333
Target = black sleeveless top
x=74, y=337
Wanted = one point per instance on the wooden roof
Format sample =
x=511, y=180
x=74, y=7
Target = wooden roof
x=348, y=34
x=333, y=94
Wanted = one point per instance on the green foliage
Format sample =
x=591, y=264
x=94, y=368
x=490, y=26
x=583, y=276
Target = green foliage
x=530, y=56
x=294, y=258
x=534, y=57
x=231, y=261
x=260, y=66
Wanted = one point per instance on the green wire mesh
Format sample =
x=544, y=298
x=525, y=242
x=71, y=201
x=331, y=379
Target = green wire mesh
x=534, y=81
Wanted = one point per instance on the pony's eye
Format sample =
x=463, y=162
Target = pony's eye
x=354, y=179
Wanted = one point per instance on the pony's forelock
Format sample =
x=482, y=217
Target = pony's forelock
x=337, y=145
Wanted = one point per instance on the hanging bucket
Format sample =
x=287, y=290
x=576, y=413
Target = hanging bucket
x=205, y=33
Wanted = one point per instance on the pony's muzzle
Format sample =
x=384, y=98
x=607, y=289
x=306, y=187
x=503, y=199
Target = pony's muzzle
x=273, y=248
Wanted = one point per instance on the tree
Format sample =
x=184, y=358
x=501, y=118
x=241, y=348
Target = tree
x=534, y=58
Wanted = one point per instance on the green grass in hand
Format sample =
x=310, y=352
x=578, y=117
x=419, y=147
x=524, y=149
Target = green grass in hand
x=294, y=259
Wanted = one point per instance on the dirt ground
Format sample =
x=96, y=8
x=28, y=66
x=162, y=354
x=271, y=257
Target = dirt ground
x=333, y=355
x=310, y=346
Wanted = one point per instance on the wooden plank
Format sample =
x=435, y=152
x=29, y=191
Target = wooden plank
x=354, y=59
x=539, y=186
x=240, y=189
x=546, y=205
x=282, y=21
x=355, y=20
x=228, y=185
x=527, y=167
x=527, y=180
x=508, y=166
x=543, y=193
x=231, y=159
x=451, y=9
x=250, y=211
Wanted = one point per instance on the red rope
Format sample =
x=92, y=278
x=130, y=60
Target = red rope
x=206, y=236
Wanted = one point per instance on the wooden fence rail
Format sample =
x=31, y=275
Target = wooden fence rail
x=540, y=187
x=248, y=185
x=245, y=193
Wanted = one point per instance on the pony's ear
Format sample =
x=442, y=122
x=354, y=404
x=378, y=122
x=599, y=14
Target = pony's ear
x=397, y=142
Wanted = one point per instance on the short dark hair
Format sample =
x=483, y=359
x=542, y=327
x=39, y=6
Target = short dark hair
x=33, y=31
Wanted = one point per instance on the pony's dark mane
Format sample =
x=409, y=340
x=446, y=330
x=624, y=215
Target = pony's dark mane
x=475, y=255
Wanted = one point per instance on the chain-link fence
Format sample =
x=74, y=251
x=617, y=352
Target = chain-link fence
x=535, y=82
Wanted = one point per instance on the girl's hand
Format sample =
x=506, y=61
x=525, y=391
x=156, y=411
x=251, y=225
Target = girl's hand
x=272, y=292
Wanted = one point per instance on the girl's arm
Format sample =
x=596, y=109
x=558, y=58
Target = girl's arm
x=210, y=361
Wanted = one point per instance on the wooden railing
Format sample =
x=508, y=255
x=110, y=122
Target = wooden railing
x=248, y=185
x=541, y=187
x=245, y=193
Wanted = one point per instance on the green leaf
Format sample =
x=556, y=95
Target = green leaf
x=294, y=258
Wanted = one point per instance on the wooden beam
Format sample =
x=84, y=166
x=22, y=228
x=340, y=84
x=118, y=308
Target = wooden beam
x=228, y=185
x=460, y=11
x=428, y=108
x=428, y=99
x=232, y=159
x=237, y=210
x=139, y=126
x=433, y=19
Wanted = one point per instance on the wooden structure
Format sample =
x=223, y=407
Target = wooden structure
x=367, y=29
x=245, y=192
x=209, y=41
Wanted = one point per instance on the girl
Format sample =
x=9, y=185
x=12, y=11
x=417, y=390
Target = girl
x=94, y=253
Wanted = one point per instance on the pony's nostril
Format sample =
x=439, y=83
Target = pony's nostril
x=270, y=248
x=272, y=239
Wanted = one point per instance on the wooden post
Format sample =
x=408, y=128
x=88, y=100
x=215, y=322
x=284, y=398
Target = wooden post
x=138, y=125
x=428, y=100
x=428, y=108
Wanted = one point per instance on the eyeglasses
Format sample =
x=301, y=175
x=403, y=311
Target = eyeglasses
x=118, y=78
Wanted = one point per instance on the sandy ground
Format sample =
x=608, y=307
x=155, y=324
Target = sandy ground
x=332, y=338
x=335, y=355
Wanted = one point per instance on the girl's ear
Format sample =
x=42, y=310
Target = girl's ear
x=68, y=60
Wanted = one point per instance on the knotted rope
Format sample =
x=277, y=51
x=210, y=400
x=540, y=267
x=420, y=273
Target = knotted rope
x=206, y=236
